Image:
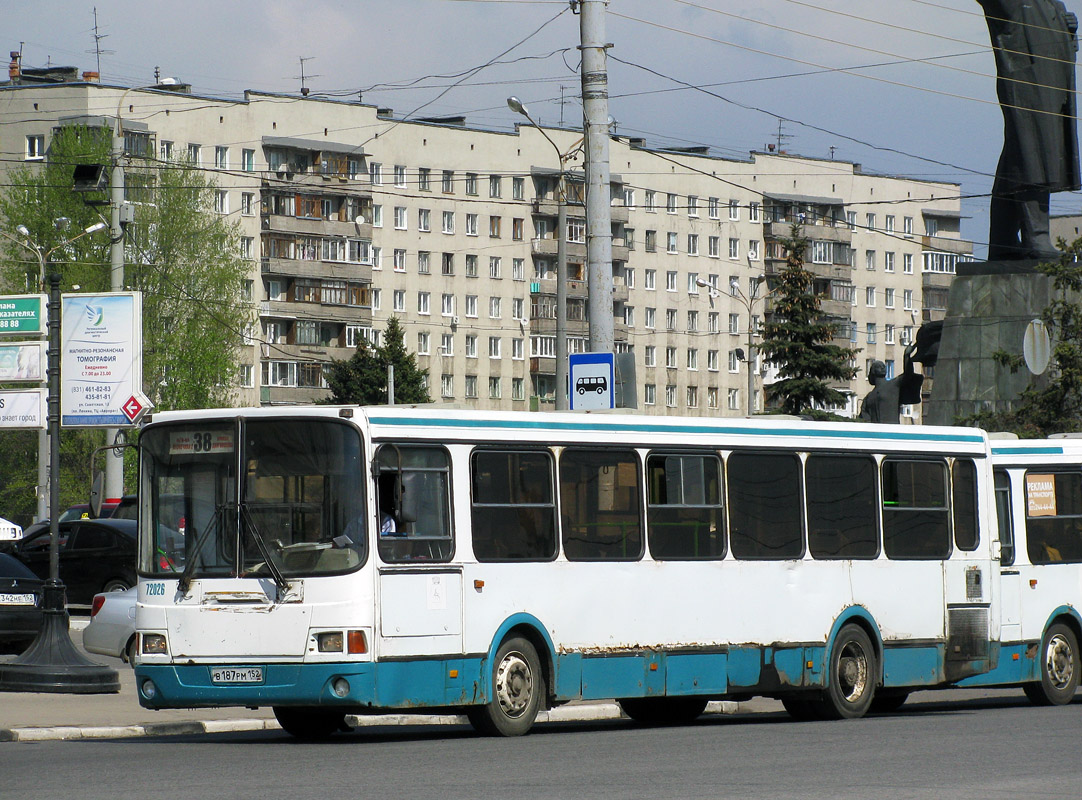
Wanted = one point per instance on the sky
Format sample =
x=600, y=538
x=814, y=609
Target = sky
x=902, y=87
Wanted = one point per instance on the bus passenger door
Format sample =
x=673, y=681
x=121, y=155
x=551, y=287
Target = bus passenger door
x=1010, y=579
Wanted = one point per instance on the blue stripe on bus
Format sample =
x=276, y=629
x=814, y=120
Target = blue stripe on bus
x=1025, y=451
x=1017, y=663
x=603, y=427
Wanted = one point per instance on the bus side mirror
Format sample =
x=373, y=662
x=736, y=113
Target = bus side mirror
x=97, y=493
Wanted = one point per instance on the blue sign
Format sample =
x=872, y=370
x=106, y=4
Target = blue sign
x=592, y=377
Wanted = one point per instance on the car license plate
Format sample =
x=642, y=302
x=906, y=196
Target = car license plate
x=7, y=599
x=237, y=675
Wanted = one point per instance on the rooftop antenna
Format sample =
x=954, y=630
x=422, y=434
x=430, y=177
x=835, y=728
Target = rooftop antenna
x=832, y=149
x=97, y=51
x=302, y=59
x=782, y=137
x=563, y=102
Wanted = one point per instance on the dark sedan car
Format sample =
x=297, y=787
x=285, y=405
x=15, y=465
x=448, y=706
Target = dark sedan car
x=20, y=605
x=96, y=555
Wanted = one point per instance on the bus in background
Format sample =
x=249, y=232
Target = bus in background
x=1038, y=486
x=354, y=560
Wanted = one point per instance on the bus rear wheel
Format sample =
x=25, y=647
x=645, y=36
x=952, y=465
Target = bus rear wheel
x=518, y=689
x=309, y=723
x=1059, y=668
x=851, y=676
x=663, y=710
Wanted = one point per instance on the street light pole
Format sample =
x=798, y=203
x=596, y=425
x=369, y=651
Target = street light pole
x=748, y=302
x=562, y=387
x=43, y=486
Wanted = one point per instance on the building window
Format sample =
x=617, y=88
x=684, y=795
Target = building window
x=907, y=226
x=221, y=201
x=471, y=346
x=494, y=304
x=713, y=206
x=448, y=186
x=576, y=230
x=693, y=244
x=471, y=305
x=907, y=263
x=670, y=246
x=734, y=248
x=494, y=227
x=517, y=349
x=518, y=269
x=471, y=265
x=518, y=226
x=650, y=356
x=423, y=302
x=518, y=188
x=651, y=241
x=693, y=397
x=400, y=176
x=246, y=246
x=734, y=210
x=35, y=147
x=693, y=205
x=649, y=278
x=734, y=323
x=670, y=396
x=888, y=223
x=649, y=394
x=518, y=389
x=398, y=300
x=753, y=212
x=400, y=218
x=447, y=305
x=670, y=358
x=494, y=347
x=648, y=319
x=447, y=344
x=448, y=221
x=650, y=203
x=693, y=358
x=888, y=261
x=670, y=203
x=221, y=157
x=422, y=262
x=495, y=264
x=194, y=154
x=888, y=334
x=869, y=259
x=447, y=385
x=733, y=399
x=629, y=316
x=471, y=386
x=907, y=299
x=424, y=179
x=888, y=298
x=247, y=201
x=375, y=173
x=869, y=297
x=495, y=186
x=870, y=333
x=471, y=225
x=165, y=150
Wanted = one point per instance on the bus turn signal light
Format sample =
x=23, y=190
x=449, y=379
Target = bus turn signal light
x=356, y=642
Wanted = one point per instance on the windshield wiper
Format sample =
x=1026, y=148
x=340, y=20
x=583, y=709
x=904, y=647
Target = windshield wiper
x=248, y=525
x=185, y=581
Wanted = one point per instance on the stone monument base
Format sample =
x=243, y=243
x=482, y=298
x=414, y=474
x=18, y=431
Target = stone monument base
x=988, y=308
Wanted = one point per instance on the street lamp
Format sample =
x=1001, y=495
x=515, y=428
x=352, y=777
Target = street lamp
x=52, y=663
x=562, y=387
x=43, y=258
x=748, y=301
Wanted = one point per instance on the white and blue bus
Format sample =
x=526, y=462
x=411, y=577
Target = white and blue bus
x=1038, y=487
x=330, y=560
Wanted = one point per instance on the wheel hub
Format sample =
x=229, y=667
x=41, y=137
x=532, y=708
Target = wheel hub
x=1059, y=661
x=514, y=684
x=852, y=673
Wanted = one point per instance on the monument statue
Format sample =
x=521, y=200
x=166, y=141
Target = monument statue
x=1034, y=44
x=884, y=402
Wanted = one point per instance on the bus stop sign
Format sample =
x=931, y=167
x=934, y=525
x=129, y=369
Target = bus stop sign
x=592, y=376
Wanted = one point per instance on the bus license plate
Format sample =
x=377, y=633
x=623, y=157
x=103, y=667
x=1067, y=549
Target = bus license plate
x=235, y=675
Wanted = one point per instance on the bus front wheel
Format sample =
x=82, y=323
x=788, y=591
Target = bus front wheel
x=518, y=689
x=309, y=723
x=851, y=676
x=1059, y=668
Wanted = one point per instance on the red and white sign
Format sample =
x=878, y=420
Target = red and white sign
x=135, y=407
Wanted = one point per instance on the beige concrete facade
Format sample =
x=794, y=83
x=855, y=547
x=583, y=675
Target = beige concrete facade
x=350, y=216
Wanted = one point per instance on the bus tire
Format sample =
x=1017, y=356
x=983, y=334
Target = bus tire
x=851, y=676
x=309, y=723
x=518, y=689
x=1059, y=668
x=663, y=710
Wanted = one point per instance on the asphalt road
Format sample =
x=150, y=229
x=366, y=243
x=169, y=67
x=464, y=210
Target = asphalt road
x=945, y=744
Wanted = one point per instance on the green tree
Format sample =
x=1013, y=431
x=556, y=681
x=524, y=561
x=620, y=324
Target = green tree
x=1052, y=405
x=182, y=256
x=362, y=378
x=798, y=341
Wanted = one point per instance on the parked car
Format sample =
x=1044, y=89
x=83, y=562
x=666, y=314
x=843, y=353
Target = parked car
x=20, y=605
x=82, y=510
x=111, y=631
x=96, y=555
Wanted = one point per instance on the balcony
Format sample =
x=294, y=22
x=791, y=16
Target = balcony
x=284, y=309
x=821, y=231
x=299, y=268
x=960, y=247
x=543, y=365
x=575, y=288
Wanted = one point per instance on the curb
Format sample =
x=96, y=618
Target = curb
x=568, y=713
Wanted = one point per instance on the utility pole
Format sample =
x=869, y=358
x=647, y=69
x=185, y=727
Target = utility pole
x=595, y=106
x=114, y=461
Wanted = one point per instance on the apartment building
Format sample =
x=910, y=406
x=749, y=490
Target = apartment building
x=351, y=216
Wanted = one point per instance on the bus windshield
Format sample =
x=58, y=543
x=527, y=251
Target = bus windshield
x=252, y=498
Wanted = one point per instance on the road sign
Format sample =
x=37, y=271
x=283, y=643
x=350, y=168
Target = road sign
x=23, y=409
x=23, y=314
x=136, y=406
x=592, y=376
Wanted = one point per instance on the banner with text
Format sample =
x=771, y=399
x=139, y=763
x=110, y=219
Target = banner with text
x=23, y=409
x=101, y=357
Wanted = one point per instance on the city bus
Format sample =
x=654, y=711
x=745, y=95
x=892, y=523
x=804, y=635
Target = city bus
x=1038, y=491
x=330, y=560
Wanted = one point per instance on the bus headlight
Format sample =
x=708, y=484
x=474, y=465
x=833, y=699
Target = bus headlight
x=154, y=644
x=340, y=687
x=329, y=642
x=149, y=689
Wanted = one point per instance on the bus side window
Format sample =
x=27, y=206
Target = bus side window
x=765, y=505
x=841, y=502
x=1003, y=514
x=600, y=493
x=964, y=503
x=916, y=522
x=1054, y=517
x=514, y=510
x=685, y=514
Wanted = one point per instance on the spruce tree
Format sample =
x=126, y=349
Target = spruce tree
x=797, y=340
x=362, y=378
